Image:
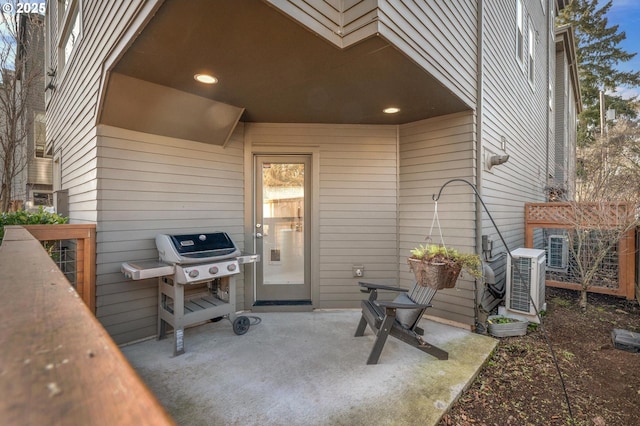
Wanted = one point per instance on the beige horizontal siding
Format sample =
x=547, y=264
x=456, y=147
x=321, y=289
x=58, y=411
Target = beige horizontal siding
x=341, y=23
x=519, y=113
x=74, y=100
x=152, y=184
x=426, y=149
x=438, y=35
x=40, y=171
x=357, y=201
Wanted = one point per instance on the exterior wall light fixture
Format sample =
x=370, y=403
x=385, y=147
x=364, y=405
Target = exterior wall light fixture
x=496, y=160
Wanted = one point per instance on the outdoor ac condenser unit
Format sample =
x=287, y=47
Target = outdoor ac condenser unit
x=557, y=252
x=525, y=283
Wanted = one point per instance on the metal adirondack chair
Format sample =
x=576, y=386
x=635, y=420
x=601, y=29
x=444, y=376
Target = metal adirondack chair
x=398, y=318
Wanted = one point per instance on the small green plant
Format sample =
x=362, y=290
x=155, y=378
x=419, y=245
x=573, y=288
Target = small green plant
x=502, y=320
x=434, y=253
x=22, y=217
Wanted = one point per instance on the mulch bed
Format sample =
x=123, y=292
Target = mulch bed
x=520, y=384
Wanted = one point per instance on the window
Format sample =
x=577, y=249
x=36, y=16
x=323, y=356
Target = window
x=42, y=198
x=63, y=6
x=531, y=56
x=39, y=135
x=71, y=30
x=519, y=31
x=72, y=36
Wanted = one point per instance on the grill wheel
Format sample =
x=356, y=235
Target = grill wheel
x=241, y=325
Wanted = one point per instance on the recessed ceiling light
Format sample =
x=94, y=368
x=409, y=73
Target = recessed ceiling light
x=205, y=78
x=391, y=110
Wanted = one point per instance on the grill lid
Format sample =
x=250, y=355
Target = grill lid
x=195, y=248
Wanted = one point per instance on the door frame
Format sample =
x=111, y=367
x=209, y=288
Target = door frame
x=250, y=151
x=281, y=292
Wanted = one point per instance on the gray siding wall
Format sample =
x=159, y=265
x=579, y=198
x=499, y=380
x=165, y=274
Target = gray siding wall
x=150, y=184
x=566, y=131
x=561, y=116
x=519, y=113
x=432, y=152
x=438, y=35
x=40, y=171
x=375, y=182
x=572, y=138
x=75, y=100
x=357, y=202
x=342, y=22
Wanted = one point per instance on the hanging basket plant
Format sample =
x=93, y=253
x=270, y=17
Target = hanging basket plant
x=438, y=267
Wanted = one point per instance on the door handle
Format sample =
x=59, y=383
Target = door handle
x=258, y=235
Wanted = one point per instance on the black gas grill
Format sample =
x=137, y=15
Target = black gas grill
x=196, y=276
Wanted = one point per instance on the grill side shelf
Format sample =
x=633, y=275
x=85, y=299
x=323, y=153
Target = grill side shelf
x=146, y=269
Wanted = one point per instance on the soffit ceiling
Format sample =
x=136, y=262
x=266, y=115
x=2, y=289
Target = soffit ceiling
x=279, y=71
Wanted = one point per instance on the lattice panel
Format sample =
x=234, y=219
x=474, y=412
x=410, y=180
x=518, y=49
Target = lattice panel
x=583, y=214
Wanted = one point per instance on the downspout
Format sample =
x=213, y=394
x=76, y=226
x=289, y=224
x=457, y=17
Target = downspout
x=398, y=203
x=548, y=128
x=479, y=154
x=479, y=102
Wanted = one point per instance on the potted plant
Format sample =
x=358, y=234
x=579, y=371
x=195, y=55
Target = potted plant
x=504, y=326
x=439, y=267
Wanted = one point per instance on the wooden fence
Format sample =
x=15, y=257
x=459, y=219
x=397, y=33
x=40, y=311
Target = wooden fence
x=59, y=365
x=564, y=216
x=84, y=258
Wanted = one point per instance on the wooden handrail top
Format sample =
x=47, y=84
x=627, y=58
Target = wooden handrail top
x=61, y=232
x=58, y=364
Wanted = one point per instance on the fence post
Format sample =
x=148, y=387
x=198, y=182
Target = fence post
x=85, y=236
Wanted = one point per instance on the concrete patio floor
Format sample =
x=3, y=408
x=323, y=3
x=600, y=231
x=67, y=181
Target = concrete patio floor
x=307, y=369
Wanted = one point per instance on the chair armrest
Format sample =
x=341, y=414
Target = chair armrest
x=396, y=305
x=367, y=287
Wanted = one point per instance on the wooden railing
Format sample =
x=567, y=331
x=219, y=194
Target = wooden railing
x=59, y=365
x=84, y=236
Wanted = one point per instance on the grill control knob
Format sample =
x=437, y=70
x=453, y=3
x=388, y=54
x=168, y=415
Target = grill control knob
x=213, y=270
x=194, y=273
x=231, y=267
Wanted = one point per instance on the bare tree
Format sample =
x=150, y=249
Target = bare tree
x=606, y=211
x=609, y=169
x=594, y=234
x=21, y=70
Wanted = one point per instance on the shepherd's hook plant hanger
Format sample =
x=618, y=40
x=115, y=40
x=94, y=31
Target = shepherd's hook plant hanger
x=544, y=332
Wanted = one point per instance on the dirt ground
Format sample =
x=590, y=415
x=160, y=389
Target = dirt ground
x=521, y=386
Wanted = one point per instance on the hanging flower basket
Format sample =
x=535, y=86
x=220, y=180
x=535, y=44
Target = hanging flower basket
x=437, y=275
x=438, y=267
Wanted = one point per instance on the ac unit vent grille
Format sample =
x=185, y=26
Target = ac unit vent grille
x=521, y=284
x=525, y=290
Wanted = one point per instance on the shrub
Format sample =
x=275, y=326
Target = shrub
x=22, y=217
